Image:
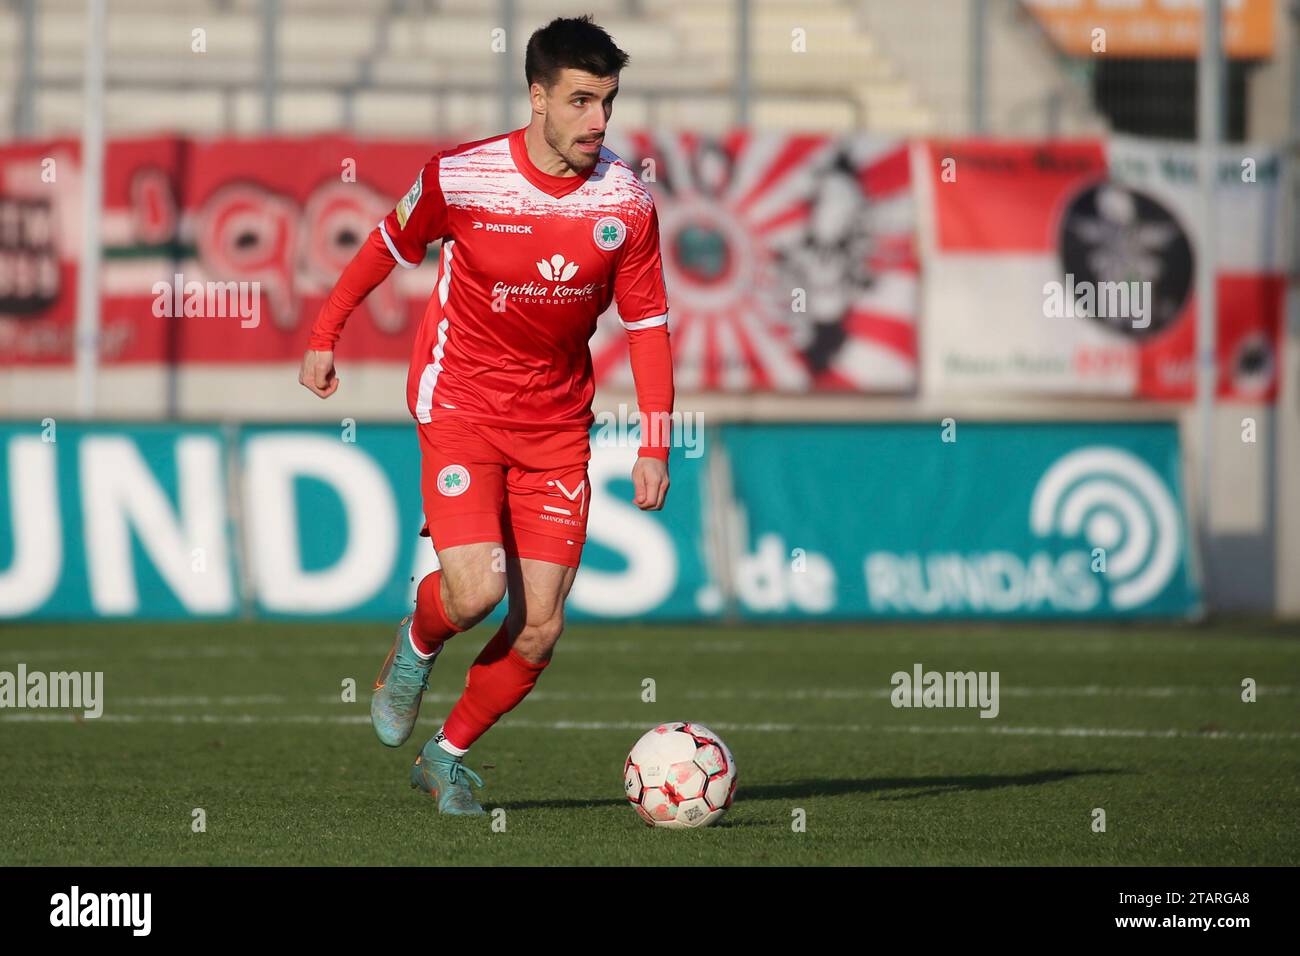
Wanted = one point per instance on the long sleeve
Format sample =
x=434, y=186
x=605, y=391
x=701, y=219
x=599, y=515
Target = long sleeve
x=652, y=372
x=369, y=267
x=643, y=309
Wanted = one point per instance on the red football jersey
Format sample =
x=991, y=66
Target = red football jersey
x=528, y=263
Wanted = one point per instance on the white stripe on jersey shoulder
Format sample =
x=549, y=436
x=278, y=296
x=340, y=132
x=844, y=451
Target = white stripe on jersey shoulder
x=475, y=176
x=621, y=171
x=383, y=230
x=615, y=185
x=650, y=323
x=486, y=180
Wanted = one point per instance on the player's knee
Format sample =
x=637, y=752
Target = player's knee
x=470, y=603
x=548, y=631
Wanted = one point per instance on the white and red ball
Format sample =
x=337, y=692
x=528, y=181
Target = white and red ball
x=680, y=775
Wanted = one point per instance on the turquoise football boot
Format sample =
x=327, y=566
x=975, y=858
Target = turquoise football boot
x=398, y=689
x=445, y=778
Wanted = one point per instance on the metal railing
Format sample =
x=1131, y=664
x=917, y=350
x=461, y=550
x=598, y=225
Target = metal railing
x=271, y=84
x=657, y=99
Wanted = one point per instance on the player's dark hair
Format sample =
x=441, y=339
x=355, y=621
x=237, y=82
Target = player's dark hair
x=574, y=43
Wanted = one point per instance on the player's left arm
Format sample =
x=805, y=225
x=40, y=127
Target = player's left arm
x=643, y=309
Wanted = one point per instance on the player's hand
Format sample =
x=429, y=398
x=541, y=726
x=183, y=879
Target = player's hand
x=317, y=373
x=650, y=478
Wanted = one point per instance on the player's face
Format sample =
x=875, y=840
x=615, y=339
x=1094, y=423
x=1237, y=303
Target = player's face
x=578, y=108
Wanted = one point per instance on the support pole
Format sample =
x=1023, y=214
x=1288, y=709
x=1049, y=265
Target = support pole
x=506, y=79
x=92, y=180
x=744, y=64
x=1209, y=122
x=978, y=60
x=270, y=63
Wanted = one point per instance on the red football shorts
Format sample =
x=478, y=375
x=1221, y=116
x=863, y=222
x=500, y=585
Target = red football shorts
x=526, y=489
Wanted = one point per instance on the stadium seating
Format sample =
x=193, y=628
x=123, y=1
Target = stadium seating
x=404, y=65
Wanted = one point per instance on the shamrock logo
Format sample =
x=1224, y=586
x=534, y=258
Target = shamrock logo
x=453, y=480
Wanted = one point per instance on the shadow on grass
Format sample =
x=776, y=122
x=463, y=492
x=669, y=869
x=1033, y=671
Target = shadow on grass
x=559, y=804
x=927, y=787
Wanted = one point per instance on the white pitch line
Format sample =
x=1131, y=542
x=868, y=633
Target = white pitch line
x=1098, y=732
x=799, y=693
x=834, y=693
x=764, y=643
x=920, y=729
x=215, y=651
x=201, y=701
x=53, y=650
x=358, y=719
x=75, y=716
x=379, y=649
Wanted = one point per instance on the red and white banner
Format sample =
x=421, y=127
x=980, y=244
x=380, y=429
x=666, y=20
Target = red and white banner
x=287, y=214
x=40, y=214
x=790, y=262
x=1031, y=247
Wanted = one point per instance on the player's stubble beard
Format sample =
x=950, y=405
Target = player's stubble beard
x=567, y=148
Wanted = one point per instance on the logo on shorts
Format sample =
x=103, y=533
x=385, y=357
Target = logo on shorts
x=609, y=232
x=577, y=495
x=453, y=480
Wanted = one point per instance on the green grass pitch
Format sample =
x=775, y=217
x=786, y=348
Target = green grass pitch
x=246, y=721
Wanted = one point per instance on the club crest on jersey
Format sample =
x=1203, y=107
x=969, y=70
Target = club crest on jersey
x=453, y=480
x=407, y=204
x=609, y=232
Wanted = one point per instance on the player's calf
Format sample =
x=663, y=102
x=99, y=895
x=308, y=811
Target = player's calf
x=535, y=641
x=432, y=624
x=498, y=680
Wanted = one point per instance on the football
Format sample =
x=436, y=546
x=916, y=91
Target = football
x=680, y=775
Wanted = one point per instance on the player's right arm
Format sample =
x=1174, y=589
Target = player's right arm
x=401, y=238
x=369, y=267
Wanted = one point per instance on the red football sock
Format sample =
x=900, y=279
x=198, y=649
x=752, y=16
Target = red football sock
x=430, y=626
x=498, y=680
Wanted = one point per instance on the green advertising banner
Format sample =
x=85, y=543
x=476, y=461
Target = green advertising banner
x=332, y=527
x=976, y=520
x=763, y=521
x=115, y=522
x=175, y=521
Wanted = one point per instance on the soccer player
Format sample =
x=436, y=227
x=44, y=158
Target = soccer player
x=541, y=228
